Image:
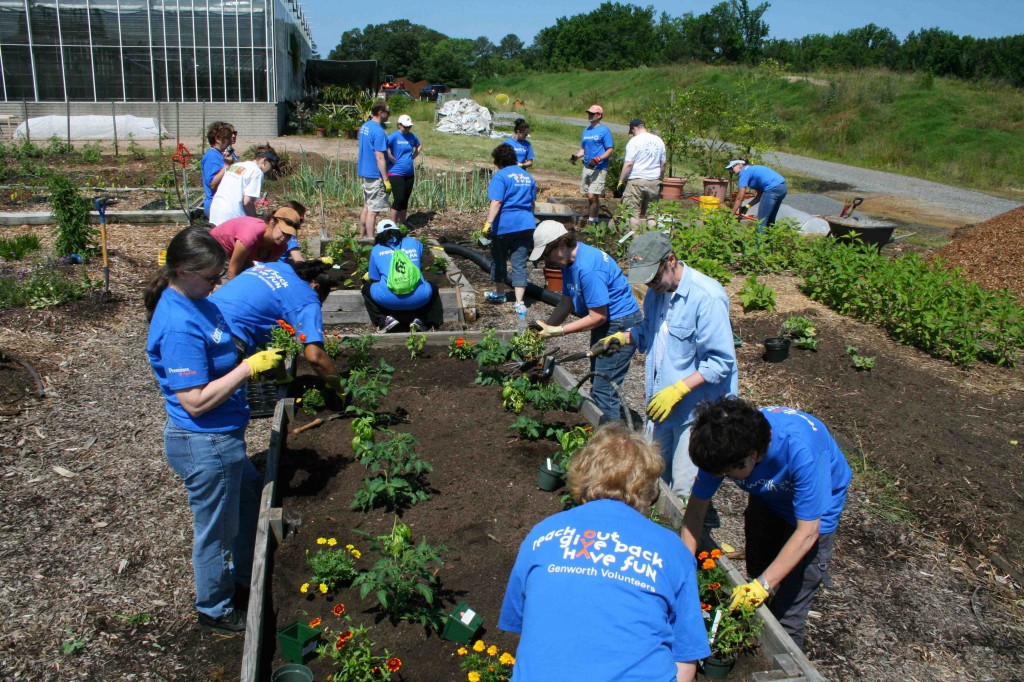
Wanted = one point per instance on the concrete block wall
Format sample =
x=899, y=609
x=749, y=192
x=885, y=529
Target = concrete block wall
x=256, y=121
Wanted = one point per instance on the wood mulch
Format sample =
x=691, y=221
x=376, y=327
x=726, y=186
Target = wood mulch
x=990, y=253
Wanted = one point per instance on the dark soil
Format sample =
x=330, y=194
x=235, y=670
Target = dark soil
x=484, y=498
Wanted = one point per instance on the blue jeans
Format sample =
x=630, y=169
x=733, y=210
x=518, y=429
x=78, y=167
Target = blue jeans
x=768, y=205
x=614, y=366
x=515, y=246
x=224, y=495
x=674, y=441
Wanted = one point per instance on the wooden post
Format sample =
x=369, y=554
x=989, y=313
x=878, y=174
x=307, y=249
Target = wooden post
x=24, y=111
x=68, y=111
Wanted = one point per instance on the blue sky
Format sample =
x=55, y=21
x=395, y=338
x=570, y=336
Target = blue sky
x=785, y=18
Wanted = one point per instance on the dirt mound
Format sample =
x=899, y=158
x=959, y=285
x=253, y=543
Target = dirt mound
x=991, y=253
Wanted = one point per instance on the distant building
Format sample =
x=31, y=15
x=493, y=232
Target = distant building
x=236, y=60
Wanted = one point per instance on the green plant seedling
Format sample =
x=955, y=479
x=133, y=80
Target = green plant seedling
x=415, y=343
x=313, y=401
x=757, y=295
x=140, y=618
x=527, y=427
x=332, y=566
x=73, y=644
x=860, y=362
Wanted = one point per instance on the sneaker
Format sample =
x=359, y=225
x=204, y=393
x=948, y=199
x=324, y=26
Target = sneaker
x=417, y=325
x=232, y=622
x=240, y=600
x=494, y=297
x=389, y=324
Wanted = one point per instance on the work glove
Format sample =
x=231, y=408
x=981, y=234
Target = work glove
x=327, y=260
x=593, y=162
x=573, y=158
x=333, y=383
x=387, y=186
x=610, y=344
x=664, y=400
x=751, y=594
x=548, y=331
x=264, y=360
x=487, y=230
x=622, y=183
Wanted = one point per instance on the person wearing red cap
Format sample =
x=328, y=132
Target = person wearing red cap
x=595, y=150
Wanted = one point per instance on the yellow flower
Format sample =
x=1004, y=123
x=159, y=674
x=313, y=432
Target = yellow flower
x=492, y=650
x=479, y=645
x=323, y=588
x=321, y=541
x=473, y=676
x=507, y=659
x=331, y=542
x=462, y=651
x=350, y=547
x=304, y=588
x=356, y=553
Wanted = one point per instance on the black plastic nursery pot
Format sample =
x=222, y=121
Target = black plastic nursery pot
x=776, y=349
x=551, y=479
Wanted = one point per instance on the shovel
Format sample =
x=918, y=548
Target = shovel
x=315, y=423
x=848, y=210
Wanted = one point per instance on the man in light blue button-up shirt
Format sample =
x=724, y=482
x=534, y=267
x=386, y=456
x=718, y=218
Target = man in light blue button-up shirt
x=688, y=340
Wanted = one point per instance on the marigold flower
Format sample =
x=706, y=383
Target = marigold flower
x=492, y=650
x=331, y=542
x=314, y=623
x=339, y=644
x=507, y=659
x=708, y=564
x=705, y=607
x=479, y=645
x=490, y=668
x=281, y=322
x=339, y=609
x=394, y=664
x=321, y=541
x=462, y=651
x=714, y=586
x=350, y=547
x=702, y=556
x=323, y=588
x=460, y=342
x=347, y=635
x=473, y=676
x=716, y=553
x=302, y=338
x=304, y=588
x=357, y=554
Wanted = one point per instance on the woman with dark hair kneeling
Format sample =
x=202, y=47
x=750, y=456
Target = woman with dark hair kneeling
x=396, y=291
x=625, y=587
x=196, y=363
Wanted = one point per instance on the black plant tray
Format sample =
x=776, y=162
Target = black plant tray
x=262, y=397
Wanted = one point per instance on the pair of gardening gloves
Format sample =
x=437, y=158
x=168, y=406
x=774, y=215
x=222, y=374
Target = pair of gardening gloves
x=664, y=400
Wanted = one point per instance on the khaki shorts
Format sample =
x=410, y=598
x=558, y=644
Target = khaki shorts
x=639, y=194
x=374, y=196
x=592, y=181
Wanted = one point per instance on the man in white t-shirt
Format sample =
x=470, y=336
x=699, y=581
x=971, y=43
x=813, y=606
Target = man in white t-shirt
x=643, y=169
x=241, y=186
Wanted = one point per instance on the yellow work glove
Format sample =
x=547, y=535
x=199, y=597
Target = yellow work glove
x=327, y=260
x=664, y=400
x=622, y=183
x=487, y=230
x=333, y=383
x=387, y=186
x=751, y=594
x=366, y=276
x=548, y=331
x=264, y=360
x=611, y=344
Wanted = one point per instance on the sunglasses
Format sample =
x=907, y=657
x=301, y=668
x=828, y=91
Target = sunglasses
x=214, y=279
x=287, y=221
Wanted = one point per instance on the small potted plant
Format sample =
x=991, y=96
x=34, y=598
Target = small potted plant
x=731, y=632
x=550, y=476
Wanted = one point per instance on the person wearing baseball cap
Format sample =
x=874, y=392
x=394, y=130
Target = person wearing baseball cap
x=642, y=169
x=769, y=185
x=247, y=240
x=596, y=147
x=595, y=291
x=242, y=185
x=688, y=340
x=403, y=148
x=417, y=305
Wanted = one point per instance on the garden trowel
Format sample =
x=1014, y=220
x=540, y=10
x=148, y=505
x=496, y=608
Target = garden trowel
x=316, y=422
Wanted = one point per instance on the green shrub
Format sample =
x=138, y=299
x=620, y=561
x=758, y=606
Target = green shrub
x=71, y=210
x=757, y=295
x=16, y=248
x=92, y=152
x=41, y=287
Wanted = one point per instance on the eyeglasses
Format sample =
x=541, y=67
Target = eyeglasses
x=660, y=271
x=214, y=279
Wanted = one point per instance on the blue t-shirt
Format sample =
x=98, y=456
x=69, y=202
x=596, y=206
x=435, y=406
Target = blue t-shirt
x=516, y=189
x=623, y=586
x=402, y=145
x=596, y=141
x=595, y=279
x=293, y=243
x=524, y=150
x=804, y=474
x=760, y=178
x=213, y=161
x=190, y=345
x=380, y=265
x=372, y=139
x=255, y=300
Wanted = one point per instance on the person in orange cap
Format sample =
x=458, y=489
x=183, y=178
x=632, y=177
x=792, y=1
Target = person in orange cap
x=595, y=150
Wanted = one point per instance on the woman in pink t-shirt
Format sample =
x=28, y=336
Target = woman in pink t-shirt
x=252, y=239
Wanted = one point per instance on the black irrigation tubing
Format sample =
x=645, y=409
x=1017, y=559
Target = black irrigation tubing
x=532, y=290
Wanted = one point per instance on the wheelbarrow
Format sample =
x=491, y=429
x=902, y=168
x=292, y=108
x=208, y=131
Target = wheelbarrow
x=874, y=232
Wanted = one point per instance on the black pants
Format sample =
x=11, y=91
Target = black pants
x=401, y=191
x=432, y=313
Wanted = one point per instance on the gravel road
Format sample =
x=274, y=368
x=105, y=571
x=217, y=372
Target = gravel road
x=970, y=205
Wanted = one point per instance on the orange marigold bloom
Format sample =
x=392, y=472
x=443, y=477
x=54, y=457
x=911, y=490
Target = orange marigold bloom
x=347, y=635
x=302, y=338
x=708, y=564
x=716, y=553
x=339, y=609
x=702, y=556
x=394, y=664
x=714, y=586
x=340, y=644
x=705, y=607
x=281, y=322
x=460, y=342
x=315, y=622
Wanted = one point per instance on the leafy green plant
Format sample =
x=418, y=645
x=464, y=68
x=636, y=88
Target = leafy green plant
x=91, y=152
x=860, y=362
x=42, y=286
x=460, y=348
x=365, y=387
x=73, y=644
x=439, y=266
x=757, y=295
x=802, y=332
x=312, y=401
x=731, y=632
x=359, y=350
x=332, y=345
x=16, y=248
x=513, y=394
x=283, y=337
x=350, y=649
x=527, y=345
x=55, y=146
x=570, y=443
x=135, y=150
x=415, y=343
x=71, y=212
x=136, y=619
x=404, y=578
x=332, y=565
x=346, y=248
x=483, y=663
x=363, y=434
x=491, y=350
x=396, y=473
x=527, y=427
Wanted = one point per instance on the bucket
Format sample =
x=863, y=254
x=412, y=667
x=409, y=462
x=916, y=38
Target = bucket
x=709, y=203
x=292, y=672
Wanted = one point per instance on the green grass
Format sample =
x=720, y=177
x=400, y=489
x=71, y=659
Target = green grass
x=951, y=131
x=882, y=493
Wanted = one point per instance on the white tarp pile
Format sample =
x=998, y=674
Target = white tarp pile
x=809, y=224
x=466, y=117
x=90, y=128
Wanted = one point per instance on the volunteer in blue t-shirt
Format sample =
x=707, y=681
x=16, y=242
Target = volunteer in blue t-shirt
x=403, y=148
x=216, y=159
x=796, y=477
x=196, y=362
x=293, y=249
x=595, y=150
x=595, y=290
x=372, y=168
x=769, y=185
x=257, y=299
x=420, y=309
x=518, y=141
x=623, y=586
x=512, y=192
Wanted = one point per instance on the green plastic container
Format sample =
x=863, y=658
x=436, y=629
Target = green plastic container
x=462, y=624
x=551, y=479
x=717, y=668
x=298, y=642
x=292, y=672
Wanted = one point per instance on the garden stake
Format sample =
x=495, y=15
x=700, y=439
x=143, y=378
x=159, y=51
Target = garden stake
x=101, y=204
x=184, y=157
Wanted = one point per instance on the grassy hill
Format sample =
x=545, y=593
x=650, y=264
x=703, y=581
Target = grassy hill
x=960, y=133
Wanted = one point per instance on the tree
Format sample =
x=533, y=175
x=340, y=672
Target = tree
x=399, y=46
x=751, y=28
x=613, y=36
x=510, y=47
x=450, y=61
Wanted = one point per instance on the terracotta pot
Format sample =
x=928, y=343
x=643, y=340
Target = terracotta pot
x=716, y=187
x=554, y=279
x=672, y=188
x=320, y=132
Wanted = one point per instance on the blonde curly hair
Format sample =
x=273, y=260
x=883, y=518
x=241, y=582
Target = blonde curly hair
x=617, y=464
